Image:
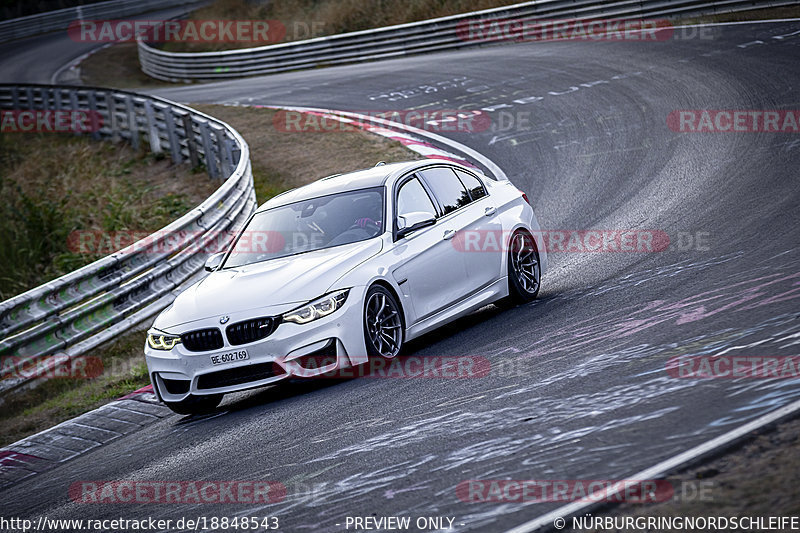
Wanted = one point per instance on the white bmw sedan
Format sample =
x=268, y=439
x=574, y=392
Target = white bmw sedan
x=343, y=269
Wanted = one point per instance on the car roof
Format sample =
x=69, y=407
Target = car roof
x=350, y=181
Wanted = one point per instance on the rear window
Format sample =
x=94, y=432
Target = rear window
x=473, y=184
x=447, y=188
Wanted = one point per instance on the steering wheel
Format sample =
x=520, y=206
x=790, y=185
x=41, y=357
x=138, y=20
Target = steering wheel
x=366, y=224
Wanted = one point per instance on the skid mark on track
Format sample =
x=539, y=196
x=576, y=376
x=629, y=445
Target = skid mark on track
x=505, y=425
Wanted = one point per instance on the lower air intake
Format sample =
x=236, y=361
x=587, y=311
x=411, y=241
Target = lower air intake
x=239, y=375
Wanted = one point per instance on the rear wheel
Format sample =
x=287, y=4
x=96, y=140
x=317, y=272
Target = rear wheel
x=195, y=405
x=524, y=270
x=383, y=324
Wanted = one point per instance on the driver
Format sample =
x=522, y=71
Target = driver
x=368, y=211
x=367, y=221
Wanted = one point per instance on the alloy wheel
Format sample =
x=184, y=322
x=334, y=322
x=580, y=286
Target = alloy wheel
x=525, y=263
x=383, y=324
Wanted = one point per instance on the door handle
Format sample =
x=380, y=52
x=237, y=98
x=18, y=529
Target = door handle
x=490, y=211
x=449, y=234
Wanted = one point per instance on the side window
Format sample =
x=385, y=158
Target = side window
x=413, y=197
x=447, y=188
x=473, y=184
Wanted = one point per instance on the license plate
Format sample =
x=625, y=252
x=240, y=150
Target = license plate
x=229, y=357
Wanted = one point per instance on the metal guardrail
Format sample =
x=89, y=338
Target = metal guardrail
x=61, y=18
x=406, y=39
x=51, y=324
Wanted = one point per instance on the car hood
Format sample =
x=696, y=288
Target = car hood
x=269, y=284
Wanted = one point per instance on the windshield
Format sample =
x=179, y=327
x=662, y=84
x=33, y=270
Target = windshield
x=309, y=225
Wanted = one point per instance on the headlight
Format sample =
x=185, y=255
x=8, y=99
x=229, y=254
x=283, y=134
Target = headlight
x=318, y=308
x=162, y=342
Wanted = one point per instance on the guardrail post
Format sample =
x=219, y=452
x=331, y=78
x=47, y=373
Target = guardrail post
x=15, y=97
x=113, y=125
x=73, y=102
x=94, y=115
x=224, y=150
x=133, y=125
x=41, y=92
x=191, y=141
x=172, y=137
x=152, y=128
x=235, y=152
x=208, y=152
x=29, y=97
x=47, y=95
x=229, y=153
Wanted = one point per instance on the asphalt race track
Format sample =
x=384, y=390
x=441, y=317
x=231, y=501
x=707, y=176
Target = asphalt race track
x=38, y=59
x=578, y=387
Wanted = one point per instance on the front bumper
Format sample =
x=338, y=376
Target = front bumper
x=339, y=337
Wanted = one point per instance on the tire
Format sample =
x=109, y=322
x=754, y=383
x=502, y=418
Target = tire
x=383, y=323
x=524, y=270
x=195, y=405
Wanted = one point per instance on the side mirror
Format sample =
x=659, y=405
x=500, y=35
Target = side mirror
x=413, y=221
x=214, y=261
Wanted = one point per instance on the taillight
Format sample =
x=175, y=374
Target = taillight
x=525, y=197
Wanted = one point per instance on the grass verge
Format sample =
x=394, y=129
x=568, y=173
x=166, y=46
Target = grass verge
x=304, y=19
x=61, y=177
x=53, y=185
x=118, y=65
x=59, y=399
x=745, y=16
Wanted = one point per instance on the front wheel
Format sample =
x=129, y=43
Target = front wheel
x=524, y=270
x=195, y=405
x=383, y=324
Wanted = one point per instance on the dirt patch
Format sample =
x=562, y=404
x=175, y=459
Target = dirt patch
x=116, y=66
x=283, y=160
